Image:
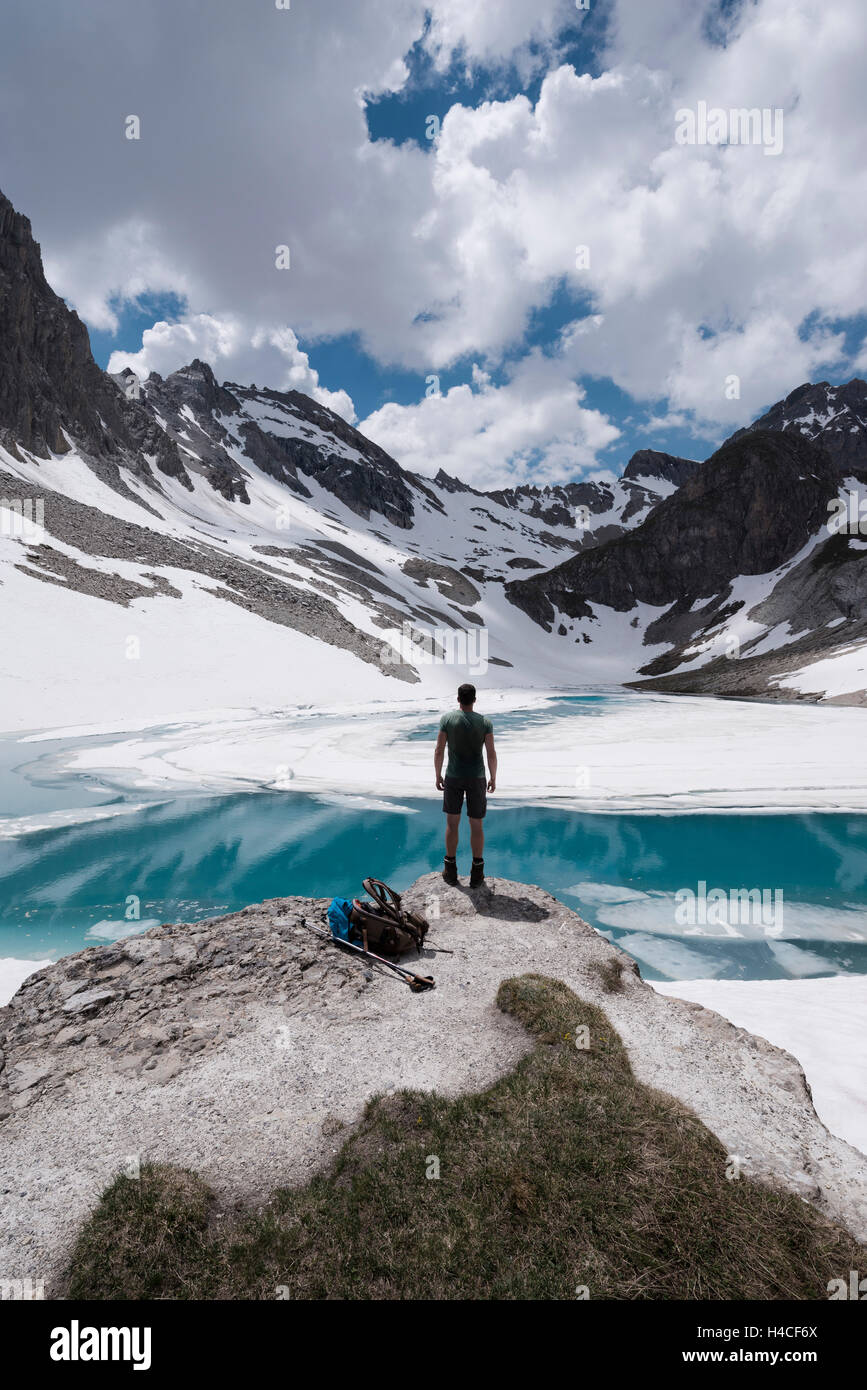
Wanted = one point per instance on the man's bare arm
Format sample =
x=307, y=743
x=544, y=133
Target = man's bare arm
x=439, y=754
x=492, y=762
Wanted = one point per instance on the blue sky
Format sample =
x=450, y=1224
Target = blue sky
x=456, y=257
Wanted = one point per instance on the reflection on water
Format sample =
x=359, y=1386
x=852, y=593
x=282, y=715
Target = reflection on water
x=191, y=858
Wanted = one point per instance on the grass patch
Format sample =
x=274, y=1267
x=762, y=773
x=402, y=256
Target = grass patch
x=610, y=976
x=567, y=1172
x=148, y=1238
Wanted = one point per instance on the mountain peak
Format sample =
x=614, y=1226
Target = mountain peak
x=48, y=378
x=197, y=368
x=52, y=393
x=833, y=416
x=652, y=463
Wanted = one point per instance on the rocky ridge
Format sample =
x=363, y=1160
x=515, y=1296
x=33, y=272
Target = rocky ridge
x=749, y=510
x=54, y=397
x=50, y=386
x=833, y=416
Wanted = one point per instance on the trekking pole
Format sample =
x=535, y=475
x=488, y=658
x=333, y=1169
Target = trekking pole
x=417, y=983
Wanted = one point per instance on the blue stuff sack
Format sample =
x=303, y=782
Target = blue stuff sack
x=338, y=919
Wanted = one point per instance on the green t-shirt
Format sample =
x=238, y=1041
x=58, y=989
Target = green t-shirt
x=466, y=733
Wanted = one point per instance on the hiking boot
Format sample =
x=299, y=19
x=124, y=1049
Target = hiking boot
x=450, y=871
x=477, y=873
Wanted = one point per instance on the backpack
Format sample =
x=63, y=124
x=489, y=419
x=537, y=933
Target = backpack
x=381, y=926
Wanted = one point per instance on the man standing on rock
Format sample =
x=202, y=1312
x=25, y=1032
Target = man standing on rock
x=466, y=734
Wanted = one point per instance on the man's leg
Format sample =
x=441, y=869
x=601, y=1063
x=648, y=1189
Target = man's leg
x=450, y=867
x=453, y=800
x=477, y=805
x=477, y=838
x=453, y=825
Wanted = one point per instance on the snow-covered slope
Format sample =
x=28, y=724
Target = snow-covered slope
x=288, y=563
x=750, y=580
x=177, y=545
x=156, y=600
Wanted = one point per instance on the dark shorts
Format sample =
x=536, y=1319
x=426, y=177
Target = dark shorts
x=453, y=796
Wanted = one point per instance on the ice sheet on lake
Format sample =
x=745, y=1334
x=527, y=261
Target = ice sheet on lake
x=656, y=912
x=118, y=928
x=13, y=826
x=638, y=753
x=13, y=973
x=668, y=955
x=821, y=1022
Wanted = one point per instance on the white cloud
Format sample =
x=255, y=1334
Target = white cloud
x=491, y=34
x=747, y=360
x=124, y=263
x=704, y=262
x=533, y=428
x=237, y=351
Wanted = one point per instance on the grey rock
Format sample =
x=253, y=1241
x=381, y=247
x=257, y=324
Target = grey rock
x=270, y=1098
x=50, y=386
x=23, y=1075
x=88, y=999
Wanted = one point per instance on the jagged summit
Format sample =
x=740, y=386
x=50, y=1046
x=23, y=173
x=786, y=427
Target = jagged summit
x=652, y=463
x=835, y=416
x=53, y=396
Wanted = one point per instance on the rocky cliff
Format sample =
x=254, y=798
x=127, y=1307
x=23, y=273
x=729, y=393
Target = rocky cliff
x=53, y=396
x=745, y=511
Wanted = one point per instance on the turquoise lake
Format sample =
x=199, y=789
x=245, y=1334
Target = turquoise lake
x=197, y=856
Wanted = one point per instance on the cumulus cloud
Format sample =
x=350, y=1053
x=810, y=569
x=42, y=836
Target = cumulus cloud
x=522, y=32
x=701, y=262
x=119, y=266
x=237, y=351
x=532, y=428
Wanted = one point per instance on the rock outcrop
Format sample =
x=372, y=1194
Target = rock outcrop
x=242, y=1046
x=149, y=1003
x=655, y=465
